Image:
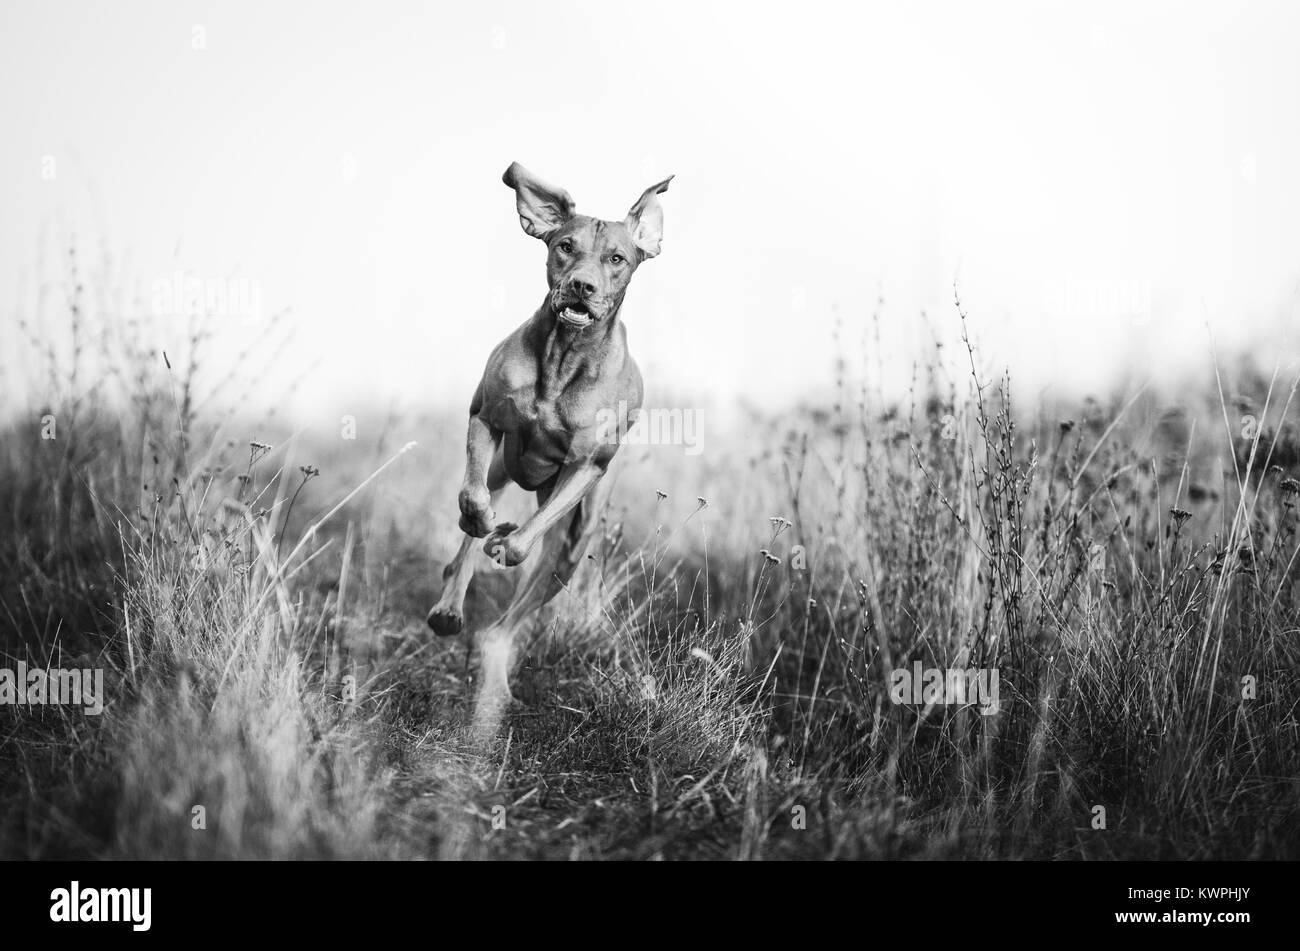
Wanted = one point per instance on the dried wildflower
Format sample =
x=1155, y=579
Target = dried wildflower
x=308, y=471
x=649, y=688
x=1066, y=425
x=779, y=523
x=1180, y=516
x=703, y=655
x=1289, y=487
x=259, y=446
x=662, y=495
x=704, y=503
x=768, y=557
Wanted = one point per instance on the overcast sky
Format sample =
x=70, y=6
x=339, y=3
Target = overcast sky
x=1100, y=179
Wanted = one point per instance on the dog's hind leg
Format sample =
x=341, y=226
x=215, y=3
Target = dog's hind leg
x=580, y=575
x=562, y=550
x=574, y=588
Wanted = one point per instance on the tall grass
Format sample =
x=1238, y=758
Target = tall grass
x=272, y=693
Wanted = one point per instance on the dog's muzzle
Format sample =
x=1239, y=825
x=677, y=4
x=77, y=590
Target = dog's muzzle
x=574, y=313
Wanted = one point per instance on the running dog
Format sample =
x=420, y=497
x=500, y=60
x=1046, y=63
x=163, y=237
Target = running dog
x=542, y=415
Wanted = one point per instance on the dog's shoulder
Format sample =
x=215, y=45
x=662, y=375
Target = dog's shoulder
x=512, y=351
x=631, y=385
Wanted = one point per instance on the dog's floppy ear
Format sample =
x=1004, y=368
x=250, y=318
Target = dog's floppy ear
x=645, y=219
x=542, y=207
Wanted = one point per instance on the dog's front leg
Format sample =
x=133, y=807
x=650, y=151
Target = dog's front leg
x=574, y=481
x=476, y=515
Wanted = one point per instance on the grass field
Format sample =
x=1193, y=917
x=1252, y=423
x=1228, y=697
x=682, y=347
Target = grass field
x=257, y=596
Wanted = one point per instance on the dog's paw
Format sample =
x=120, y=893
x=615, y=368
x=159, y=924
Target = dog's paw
x=502, y=547
x=476, y=513
x=445, y=621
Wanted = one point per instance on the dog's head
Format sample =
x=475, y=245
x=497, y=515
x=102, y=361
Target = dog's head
x=589, y=262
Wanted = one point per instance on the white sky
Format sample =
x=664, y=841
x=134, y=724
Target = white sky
x=1101, y=179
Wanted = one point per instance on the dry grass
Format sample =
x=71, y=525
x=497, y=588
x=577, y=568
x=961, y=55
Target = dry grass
x=1123, y=566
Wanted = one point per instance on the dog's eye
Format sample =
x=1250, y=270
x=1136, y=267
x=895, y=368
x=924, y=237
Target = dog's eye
x=616, y=259
x=566, y=247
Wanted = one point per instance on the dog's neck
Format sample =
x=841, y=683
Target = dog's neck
x=571, y=352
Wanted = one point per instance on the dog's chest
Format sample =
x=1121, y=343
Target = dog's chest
x=554, y=396
x=530, y=411
x=541, y=434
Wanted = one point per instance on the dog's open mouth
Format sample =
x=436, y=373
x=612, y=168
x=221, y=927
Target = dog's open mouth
x=575, y=314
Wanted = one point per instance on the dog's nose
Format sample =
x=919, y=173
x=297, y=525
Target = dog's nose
x=582, y=288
